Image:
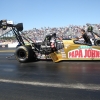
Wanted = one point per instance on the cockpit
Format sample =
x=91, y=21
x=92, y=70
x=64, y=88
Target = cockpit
x=90, y=38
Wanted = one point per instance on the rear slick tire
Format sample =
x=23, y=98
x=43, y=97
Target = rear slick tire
x=25, y=54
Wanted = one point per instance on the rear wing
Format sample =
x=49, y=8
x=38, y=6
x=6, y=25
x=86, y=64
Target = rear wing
x=4, y=24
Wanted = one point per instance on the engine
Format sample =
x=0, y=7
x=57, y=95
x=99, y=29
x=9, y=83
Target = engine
x=52, y=47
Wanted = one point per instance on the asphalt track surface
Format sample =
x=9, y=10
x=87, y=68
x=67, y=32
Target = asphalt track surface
x=45, y=80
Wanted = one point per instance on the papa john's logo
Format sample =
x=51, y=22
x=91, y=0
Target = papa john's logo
x=84, y=53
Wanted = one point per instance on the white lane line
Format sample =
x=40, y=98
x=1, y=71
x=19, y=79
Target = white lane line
x=57, y=85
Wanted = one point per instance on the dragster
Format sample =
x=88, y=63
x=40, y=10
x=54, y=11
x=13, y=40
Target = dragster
x=58, y=50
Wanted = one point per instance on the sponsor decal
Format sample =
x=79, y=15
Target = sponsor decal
x=84, y=52
x=63, y=56
x=85, y=47
x=66, y=46
x=63, y=53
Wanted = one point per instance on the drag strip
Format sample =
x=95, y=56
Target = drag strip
x=45, y=80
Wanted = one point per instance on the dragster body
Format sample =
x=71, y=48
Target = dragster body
x=72, y=51
x=56, y=50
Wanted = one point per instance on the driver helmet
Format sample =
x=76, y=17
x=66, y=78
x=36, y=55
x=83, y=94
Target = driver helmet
x=90, y=29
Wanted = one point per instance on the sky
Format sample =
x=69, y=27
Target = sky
x=50, y=13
